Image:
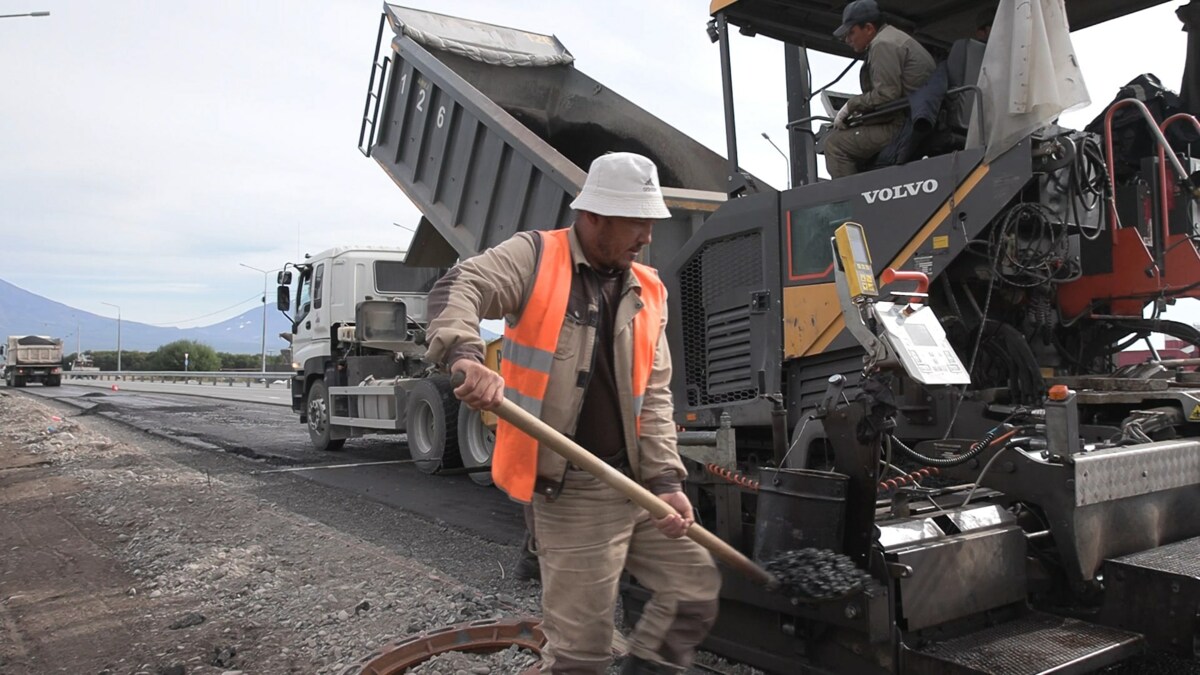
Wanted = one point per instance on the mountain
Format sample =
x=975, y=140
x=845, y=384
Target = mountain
x=25, y=313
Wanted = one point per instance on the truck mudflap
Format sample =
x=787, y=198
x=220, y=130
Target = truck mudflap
x=1035, y=643
x=1156, y=592
x=490, y=130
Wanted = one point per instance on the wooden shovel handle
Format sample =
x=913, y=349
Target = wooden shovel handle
x=573, y=453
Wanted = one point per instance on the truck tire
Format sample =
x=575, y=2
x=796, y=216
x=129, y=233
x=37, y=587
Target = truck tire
x=476, y=443
x=53, y=381
x=431, y=419
x=18, y=381
x=318, y=409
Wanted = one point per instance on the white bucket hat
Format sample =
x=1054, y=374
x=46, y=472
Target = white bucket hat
x=622, y=184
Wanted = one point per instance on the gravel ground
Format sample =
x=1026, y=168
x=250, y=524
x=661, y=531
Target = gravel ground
x=136, y=555
x=210, y=578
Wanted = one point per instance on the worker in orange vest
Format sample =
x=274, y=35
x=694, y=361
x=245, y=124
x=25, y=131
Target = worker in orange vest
x=585, y=351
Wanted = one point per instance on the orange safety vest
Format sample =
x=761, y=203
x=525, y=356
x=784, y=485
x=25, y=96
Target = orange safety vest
x=527, y=355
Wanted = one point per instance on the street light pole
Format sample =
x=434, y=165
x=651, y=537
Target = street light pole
x=118, y=333
x=13, y=16
x=264, y=312
x=785, y=158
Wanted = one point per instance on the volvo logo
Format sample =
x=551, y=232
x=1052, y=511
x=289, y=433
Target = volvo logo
x=887, y=194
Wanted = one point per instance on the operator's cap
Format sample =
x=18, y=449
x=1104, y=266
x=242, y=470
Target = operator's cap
x=624, y=185
x=859, y=11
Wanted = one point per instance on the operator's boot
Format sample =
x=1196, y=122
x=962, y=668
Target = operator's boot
x=527, y=568
x=638, y=666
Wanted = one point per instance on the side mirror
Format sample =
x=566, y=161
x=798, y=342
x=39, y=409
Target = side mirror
x=284, y=278
x=283, y=298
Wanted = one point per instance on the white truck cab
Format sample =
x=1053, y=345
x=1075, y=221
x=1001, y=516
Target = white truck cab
x=358, y=345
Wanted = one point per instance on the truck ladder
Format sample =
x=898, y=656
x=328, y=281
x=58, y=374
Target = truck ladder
x=379, y=71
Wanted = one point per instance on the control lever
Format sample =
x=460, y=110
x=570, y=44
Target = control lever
x=833, y=391
x=779, y=433
x=891, y=274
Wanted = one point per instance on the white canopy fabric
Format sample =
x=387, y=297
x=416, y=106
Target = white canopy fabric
x=1030, y=74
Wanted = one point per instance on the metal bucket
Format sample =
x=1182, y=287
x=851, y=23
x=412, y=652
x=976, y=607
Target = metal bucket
x=799, y=508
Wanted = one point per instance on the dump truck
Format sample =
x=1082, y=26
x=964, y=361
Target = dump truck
x=479, y=176
x=1029, y=510
x=32, y=358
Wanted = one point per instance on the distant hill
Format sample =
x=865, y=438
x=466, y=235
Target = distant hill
x=25, y=313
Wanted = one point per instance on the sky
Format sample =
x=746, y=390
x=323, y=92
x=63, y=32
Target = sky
x=150, y=149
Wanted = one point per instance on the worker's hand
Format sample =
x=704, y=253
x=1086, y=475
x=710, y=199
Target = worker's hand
x=483, y=388
x=675, y=525
x=839, y=120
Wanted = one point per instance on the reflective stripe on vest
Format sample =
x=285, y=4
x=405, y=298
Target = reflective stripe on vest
x=528, y=350
x=646, y=329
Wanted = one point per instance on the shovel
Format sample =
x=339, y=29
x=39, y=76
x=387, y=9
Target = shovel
x=573, y=453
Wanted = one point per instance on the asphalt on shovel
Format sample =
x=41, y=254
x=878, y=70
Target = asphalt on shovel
x=573, y=453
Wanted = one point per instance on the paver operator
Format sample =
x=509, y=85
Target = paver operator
x=585, y=350
x=896, y=66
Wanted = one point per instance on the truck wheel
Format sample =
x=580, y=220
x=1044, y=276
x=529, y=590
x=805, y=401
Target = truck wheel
x=475, y=443
x=18, y=381
x=431, y=419
x=318, y=419
x=53, y=381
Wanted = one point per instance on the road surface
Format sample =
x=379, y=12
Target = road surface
x=253, y=423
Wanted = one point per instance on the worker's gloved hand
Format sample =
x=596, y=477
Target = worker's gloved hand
x=839, y=121
x=483, y=388
x=675, y=525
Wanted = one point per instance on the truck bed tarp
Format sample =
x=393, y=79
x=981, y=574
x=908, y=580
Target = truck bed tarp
x=37, y=341
x=496, y=45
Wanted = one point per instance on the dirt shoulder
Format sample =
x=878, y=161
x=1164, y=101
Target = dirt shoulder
x=117, y=560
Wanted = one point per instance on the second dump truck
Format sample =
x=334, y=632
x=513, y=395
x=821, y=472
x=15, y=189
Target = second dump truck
x=32, y=358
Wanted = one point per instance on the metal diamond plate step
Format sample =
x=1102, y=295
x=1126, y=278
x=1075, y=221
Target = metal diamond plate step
x=1182, y=558
x=1034, y=644
x=1156, y=592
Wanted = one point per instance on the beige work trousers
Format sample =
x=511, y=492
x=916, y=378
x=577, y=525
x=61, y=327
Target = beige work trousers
x=847, y=149
x=585, y=538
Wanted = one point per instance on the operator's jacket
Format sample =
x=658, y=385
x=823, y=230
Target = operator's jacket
x=497, y=284
x=897, y=65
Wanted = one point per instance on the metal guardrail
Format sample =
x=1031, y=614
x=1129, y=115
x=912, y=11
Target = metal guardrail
x=182, y=377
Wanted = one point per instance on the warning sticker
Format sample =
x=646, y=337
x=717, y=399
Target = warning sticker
x=924, y=264
x=941, y=241
x=1195, y=414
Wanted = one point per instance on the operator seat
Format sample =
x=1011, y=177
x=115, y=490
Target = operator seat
x=962, y=69
x=939, y=112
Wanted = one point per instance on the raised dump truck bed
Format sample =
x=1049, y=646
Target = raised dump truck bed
x=489, y=131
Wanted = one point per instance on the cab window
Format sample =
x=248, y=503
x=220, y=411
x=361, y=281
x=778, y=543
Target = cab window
x=810, y=257
x=317, y=285
x=304, y=295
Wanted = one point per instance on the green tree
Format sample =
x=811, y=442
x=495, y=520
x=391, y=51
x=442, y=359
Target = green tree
x=170, y=356
x=136, y=360
x=279, y=363
x=107, y=360
x=239, y=361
